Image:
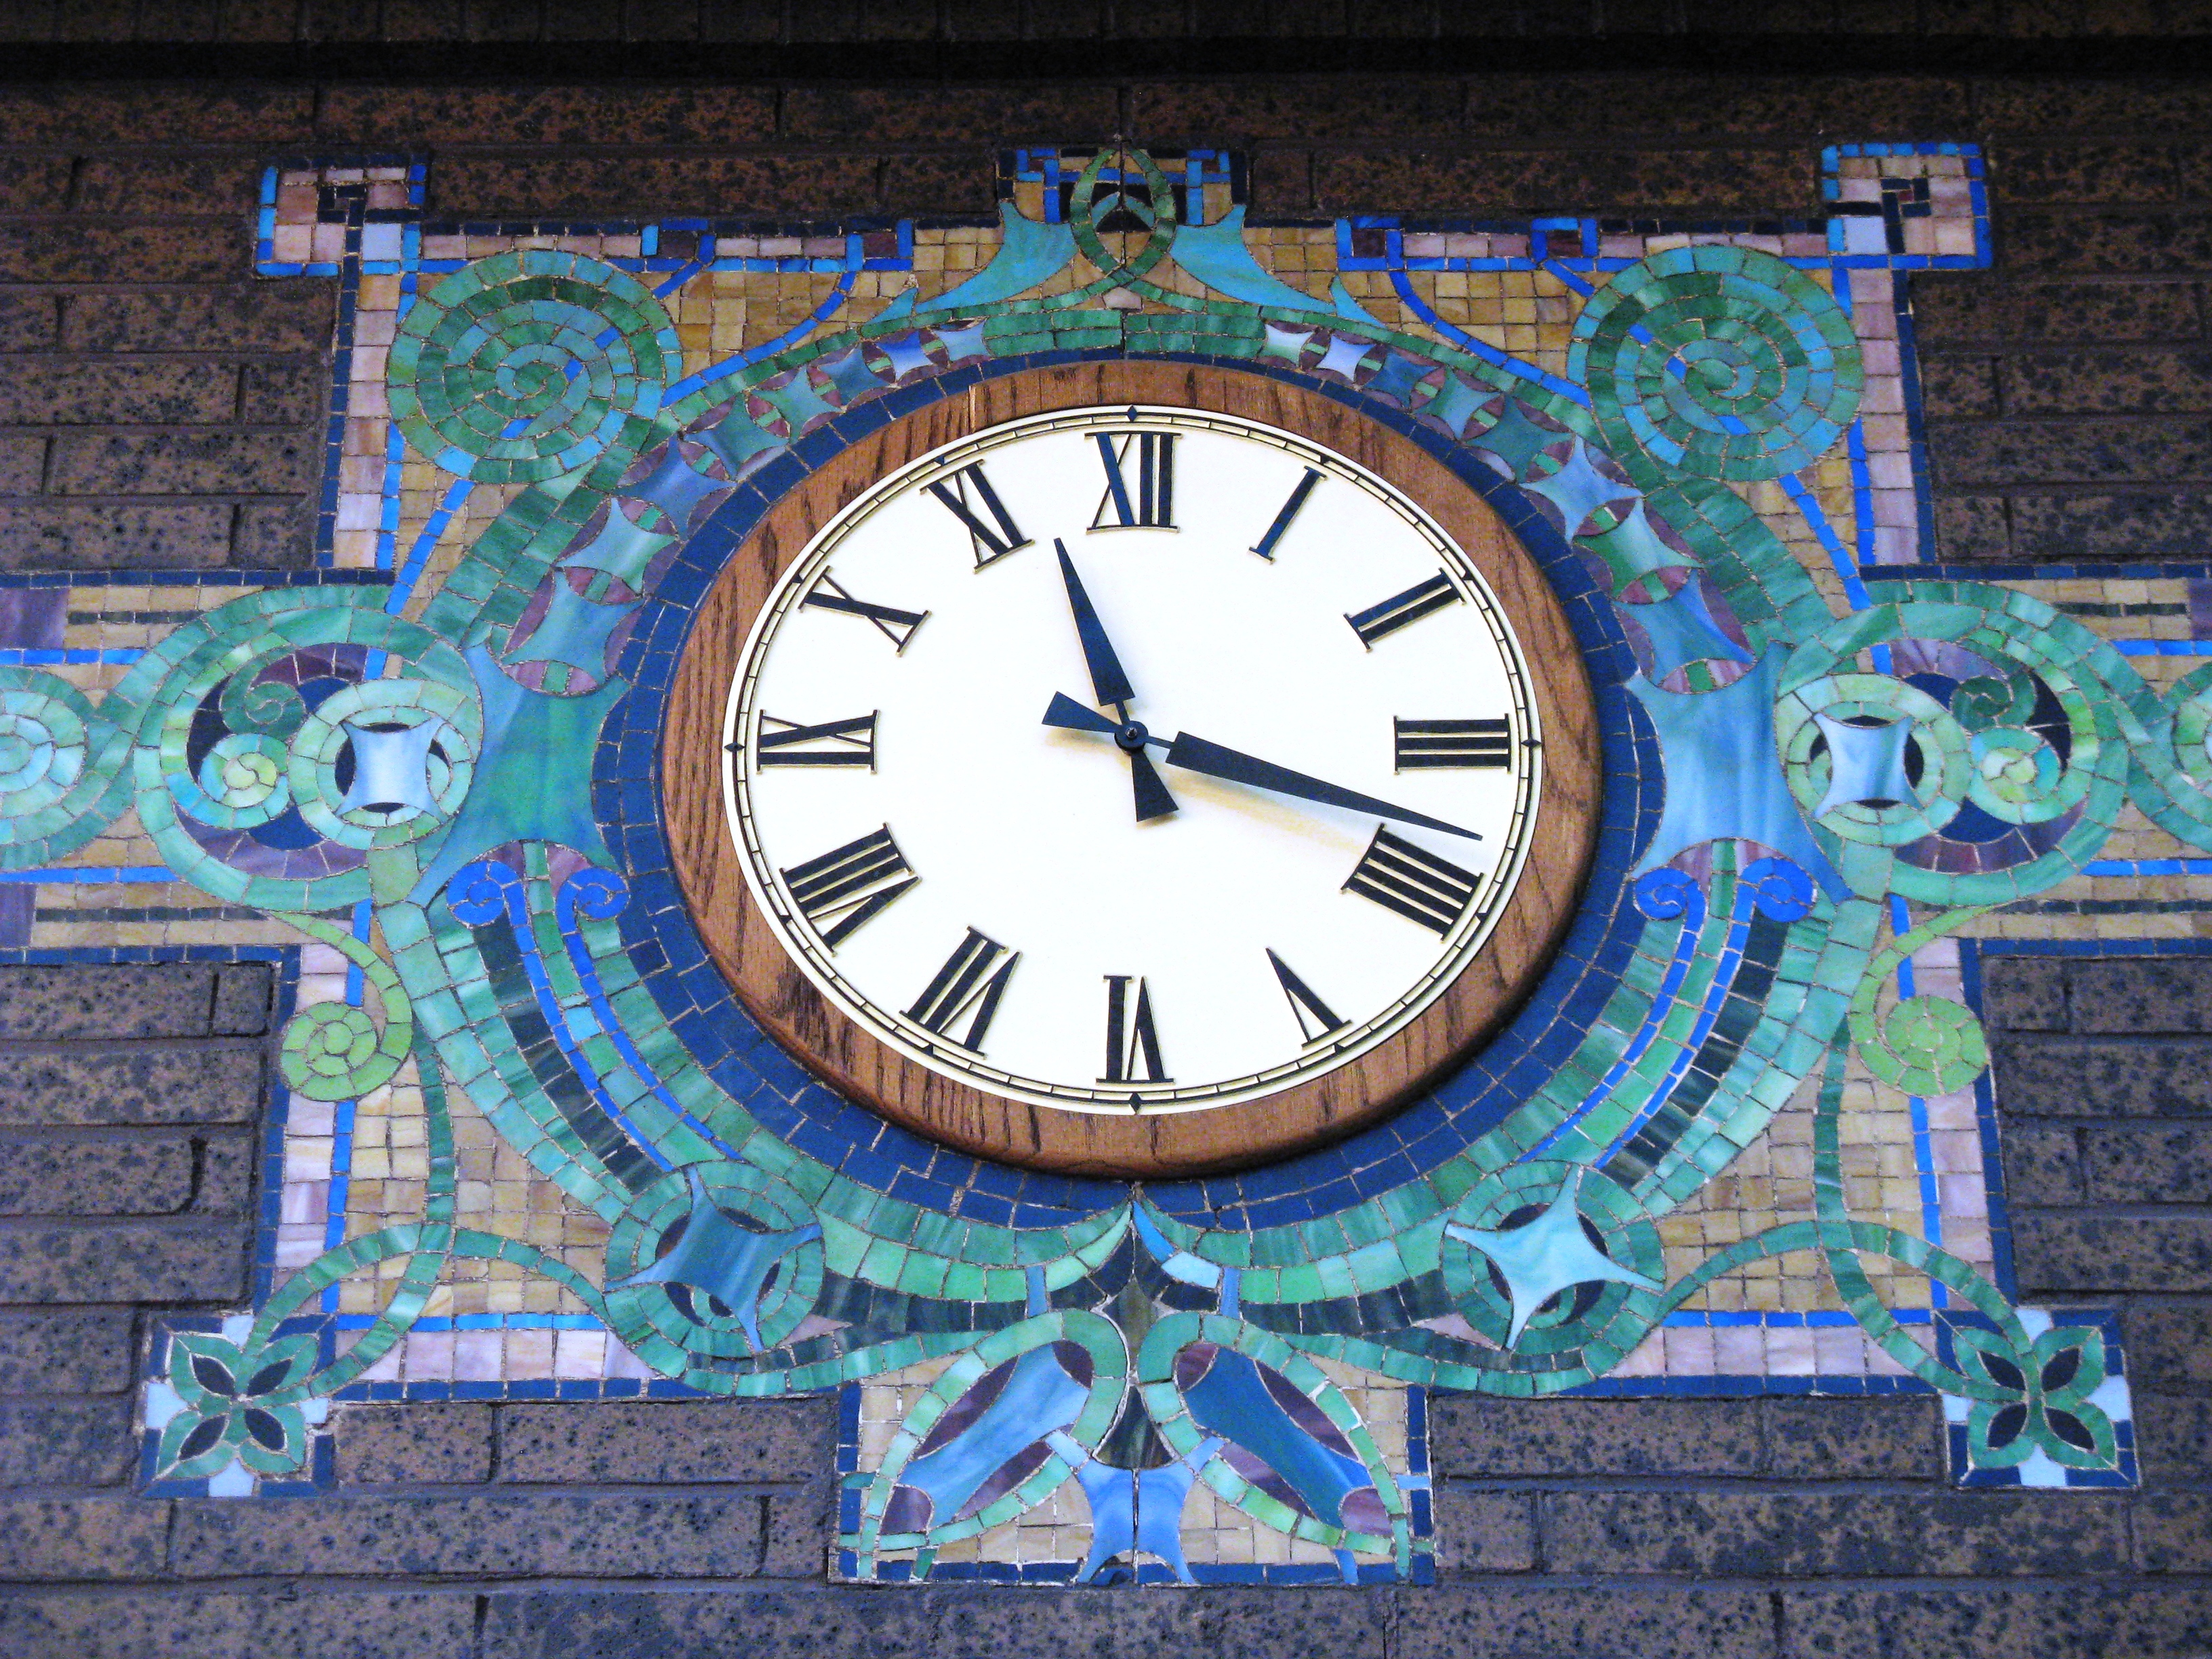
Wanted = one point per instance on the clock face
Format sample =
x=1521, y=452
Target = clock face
x=1131, y=760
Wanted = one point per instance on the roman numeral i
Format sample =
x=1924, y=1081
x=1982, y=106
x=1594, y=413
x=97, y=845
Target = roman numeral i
x=839, y=890
x=1413, y=882
x=1145, y=501
x=965, y=491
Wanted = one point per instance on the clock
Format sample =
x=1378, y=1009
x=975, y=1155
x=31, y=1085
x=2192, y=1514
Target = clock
x=1131, y=769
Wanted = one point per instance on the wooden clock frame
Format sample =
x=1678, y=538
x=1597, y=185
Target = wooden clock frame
x=1191, y=1141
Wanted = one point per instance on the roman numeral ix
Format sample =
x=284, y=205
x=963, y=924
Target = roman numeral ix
x=968, y=987
x=1410, y=606
x=1422, y=745
x=847, y=885
x=834, y=743
x=962, y=494
x=1413, y=881
x=1147, y=502
x=1315, y=1018
x=1131, y=1042
x=896, y=626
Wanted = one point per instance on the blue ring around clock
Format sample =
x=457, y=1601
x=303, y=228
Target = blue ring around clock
x=672, y=962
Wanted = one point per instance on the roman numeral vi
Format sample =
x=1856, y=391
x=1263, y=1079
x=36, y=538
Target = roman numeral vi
x=1131, y=1042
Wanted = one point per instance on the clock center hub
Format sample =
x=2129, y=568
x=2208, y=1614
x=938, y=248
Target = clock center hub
x=1131, y=736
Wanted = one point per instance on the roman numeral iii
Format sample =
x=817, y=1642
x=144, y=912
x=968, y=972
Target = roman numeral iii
x=1315, y=1018
x=1422, y=745
x=1133, y=1047
x=966, y=989
x=1413, y=881
x=1410, y=606
x=1145, y=499
x=896, y=626
x=847, y=885
x=834, y=743
x=968, y=497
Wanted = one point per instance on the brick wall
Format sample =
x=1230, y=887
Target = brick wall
x=159, y=408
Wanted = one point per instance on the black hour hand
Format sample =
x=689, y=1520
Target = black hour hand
x=1107, y=678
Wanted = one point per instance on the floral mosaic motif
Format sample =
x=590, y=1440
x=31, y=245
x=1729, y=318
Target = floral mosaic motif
x=433, y=771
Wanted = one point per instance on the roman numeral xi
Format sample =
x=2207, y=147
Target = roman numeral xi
x=968, y=495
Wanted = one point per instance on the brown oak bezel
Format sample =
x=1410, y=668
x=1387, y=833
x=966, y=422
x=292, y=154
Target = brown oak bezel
x=846, y=1056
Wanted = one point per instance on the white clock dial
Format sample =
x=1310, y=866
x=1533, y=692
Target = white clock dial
x=975, y=885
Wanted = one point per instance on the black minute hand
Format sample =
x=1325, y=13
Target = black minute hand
x=1197, y=755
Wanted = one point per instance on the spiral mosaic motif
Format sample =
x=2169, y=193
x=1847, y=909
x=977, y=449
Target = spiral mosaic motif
x=530, y=365
x=1721, y=361
x=58, y=761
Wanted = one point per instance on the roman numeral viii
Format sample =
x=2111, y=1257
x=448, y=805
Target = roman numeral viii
x=834, y=743
x=992, y=530
x=847, y=885
x=966, y=989
x=1422, y=745
x=896, y=626
x=1410, y=606
x=1133, y=1047
x=1413, y=881
x=1145, y=501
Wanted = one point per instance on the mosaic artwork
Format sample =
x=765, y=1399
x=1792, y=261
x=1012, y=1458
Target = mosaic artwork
x=1742, y=1140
